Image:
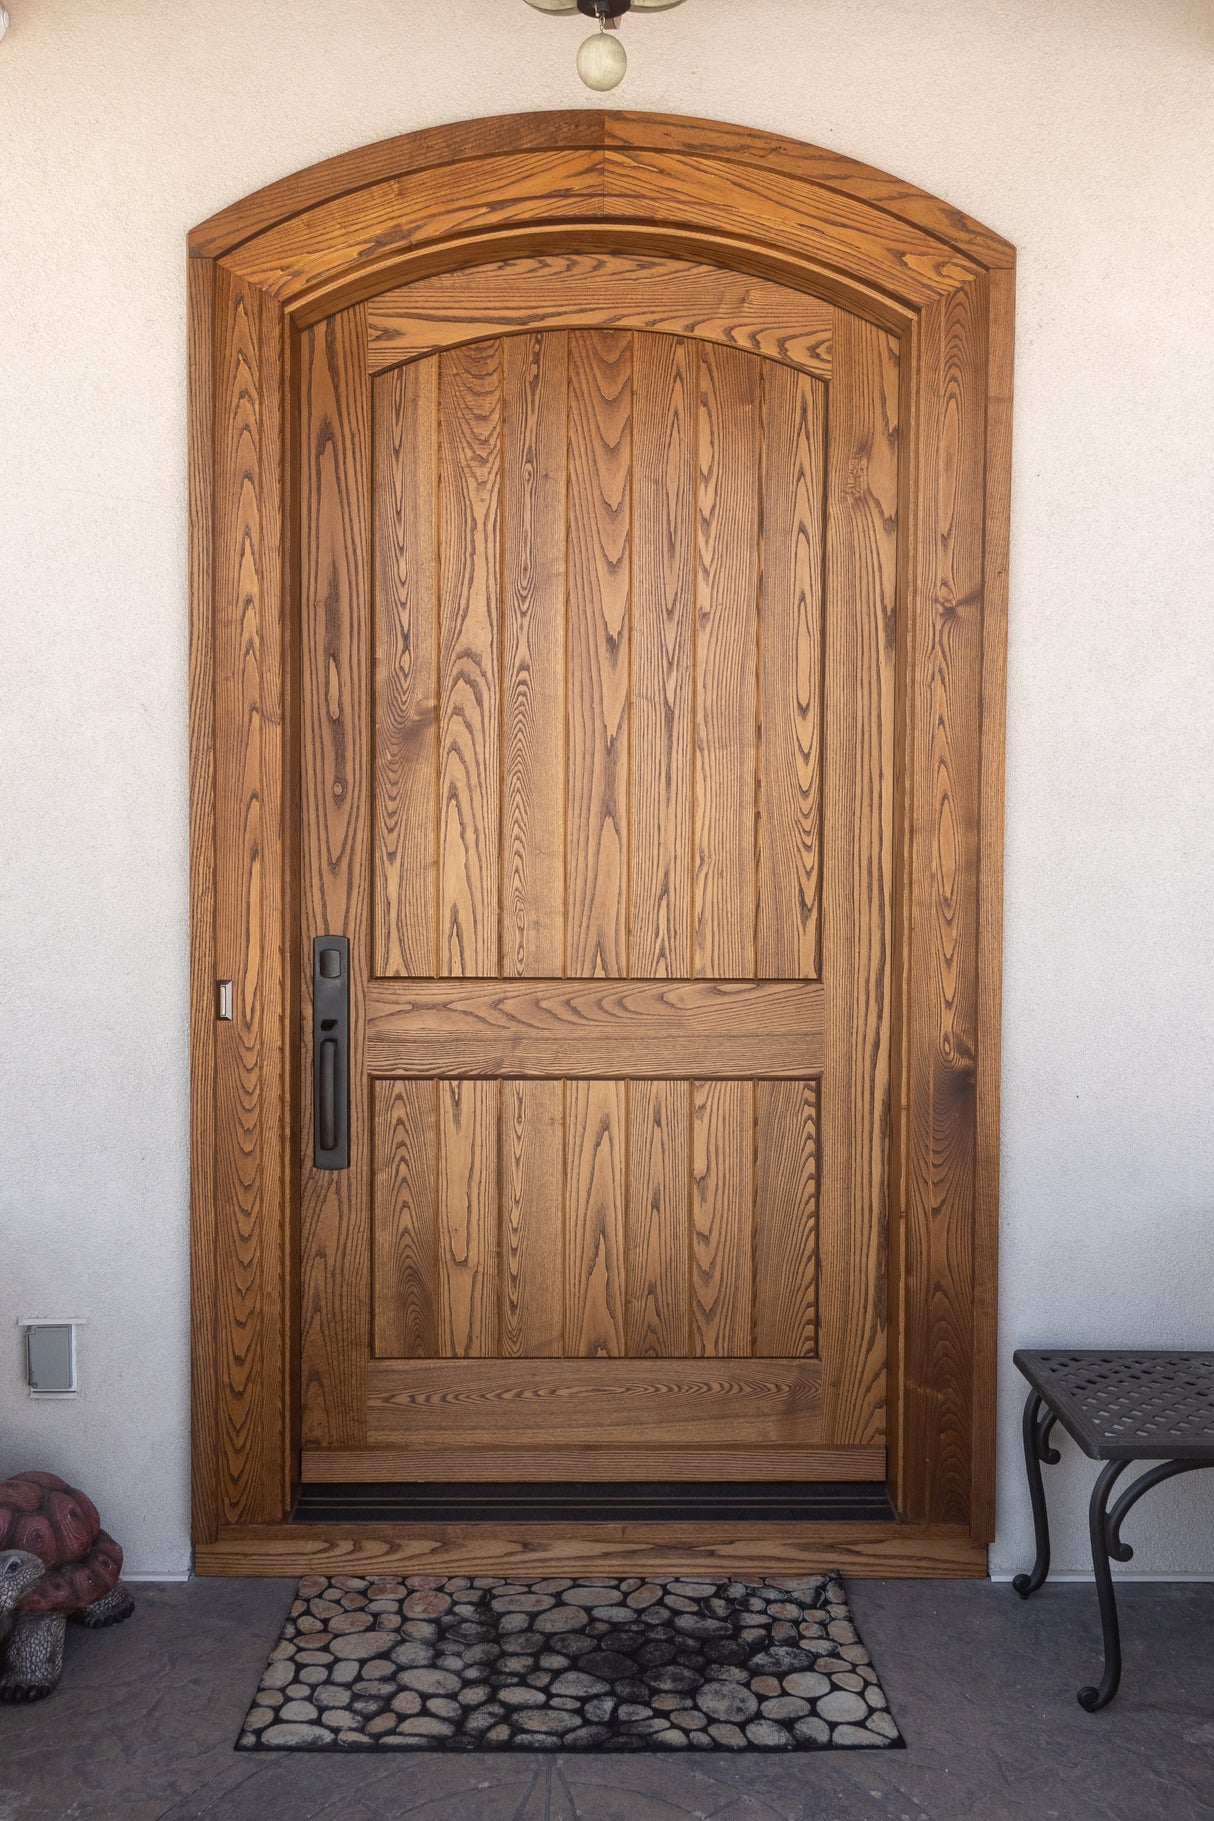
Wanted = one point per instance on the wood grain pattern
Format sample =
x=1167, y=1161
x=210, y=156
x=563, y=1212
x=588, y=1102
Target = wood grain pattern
x=334, y=490
x=204, y=1224
x=405, y=857
x=532, y=1242
x=557, y=1027
x=827, y=230
x=467, y=1219
x=310, y=256
x=390, y=159
x=945, y=741
x=470, y=384
x=249, y=1085
x=405, y=1149
x=535, y=440
x=811, y=165
x=861, y=608
x=591, y=290
x=630, y=1213
x=726, y=657
x=883, y=1550
x=579, y=1461
x=602, y=1402
x=600, y=463
x=722, y=1217
x=1000, y=339
x=339, y=246
x=659, y=1220
x=786, y=1217
x=596, y=1233
x=790, y=677
x=662, y=683
x=462, y=142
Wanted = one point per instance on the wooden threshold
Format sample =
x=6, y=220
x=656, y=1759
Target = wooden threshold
x=881, y=1549
x=330, y=1466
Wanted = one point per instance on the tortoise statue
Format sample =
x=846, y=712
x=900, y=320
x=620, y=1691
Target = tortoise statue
x=56, y=1564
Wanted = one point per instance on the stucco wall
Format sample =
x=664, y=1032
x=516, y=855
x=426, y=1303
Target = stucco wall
x=1083, y=130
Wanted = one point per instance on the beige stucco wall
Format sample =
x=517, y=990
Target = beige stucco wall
x=1083, y=130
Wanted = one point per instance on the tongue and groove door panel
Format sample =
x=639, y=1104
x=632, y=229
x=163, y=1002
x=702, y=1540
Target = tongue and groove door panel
x=597, y=736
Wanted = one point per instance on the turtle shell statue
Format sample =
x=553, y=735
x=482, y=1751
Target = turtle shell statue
x=56, y=1564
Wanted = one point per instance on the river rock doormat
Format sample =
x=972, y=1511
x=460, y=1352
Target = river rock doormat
x=428, y=1663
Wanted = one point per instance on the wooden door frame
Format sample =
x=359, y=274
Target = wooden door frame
x=459, y=195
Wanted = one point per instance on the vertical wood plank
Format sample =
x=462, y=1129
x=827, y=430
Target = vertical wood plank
x=722, y=1212
x=663, y=568
x=204, y=1210
x=534, y=452
x=596, y=1176
x=405, y=505
x=251, y=1085
x=470, y=390
x=726, y=663
x=467, y=1219
x=659, y=1220
x=1000, y=323
x=786, y=1218
x=790, y=675
x=944, y=728
x=532, y=1235
x=600, y=463
x=405, y=1148
x=335, y=584
x=862, y=556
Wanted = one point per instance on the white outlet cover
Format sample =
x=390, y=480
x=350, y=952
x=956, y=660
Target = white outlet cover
x=50, y=1351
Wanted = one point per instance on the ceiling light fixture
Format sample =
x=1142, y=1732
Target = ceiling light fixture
x=602, y=61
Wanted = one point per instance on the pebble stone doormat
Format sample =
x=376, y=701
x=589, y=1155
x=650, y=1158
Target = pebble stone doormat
x=454, y=1664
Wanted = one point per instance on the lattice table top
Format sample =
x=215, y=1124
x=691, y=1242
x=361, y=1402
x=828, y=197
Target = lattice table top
x=1129, y=1406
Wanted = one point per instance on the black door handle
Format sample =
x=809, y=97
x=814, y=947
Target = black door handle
x=331, y=1052
x=326, y=1105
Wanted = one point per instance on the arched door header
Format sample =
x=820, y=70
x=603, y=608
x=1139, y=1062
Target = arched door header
x=372, y=219
x=411, y=154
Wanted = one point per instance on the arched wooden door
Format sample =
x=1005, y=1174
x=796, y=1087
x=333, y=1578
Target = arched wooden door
x=602, y=555
x=597, y=780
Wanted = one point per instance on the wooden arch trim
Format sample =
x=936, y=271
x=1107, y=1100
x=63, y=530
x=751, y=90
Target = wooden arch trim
x=527, y=186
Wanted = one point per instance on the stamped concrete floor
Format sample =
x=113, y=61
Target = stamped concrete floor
x=983, y=1686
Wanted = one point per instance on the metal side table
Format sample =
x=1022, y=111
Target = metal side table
x=1119, y=1407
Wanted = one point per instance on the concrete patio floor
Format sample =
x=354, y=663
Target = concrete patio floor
x=982, y=1685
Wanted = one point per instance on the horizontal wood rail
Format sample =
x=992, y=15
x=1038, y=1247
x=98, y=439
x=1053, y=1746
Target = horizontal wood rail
x=698, y=1029
x=602, y=1402
x=572, y=291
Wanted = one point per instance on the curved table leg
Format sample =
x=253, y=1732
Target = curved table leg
x=1092, y=1699
x=1105, y=1528
x=1037, y=1424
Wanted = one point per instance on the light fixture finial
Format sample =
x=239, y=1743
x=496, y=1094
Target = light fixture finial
x=602, y=61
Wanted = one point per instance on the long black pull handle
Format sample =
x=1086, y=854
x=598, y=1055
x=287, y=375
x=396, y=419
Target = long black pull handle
x=326, y=1100
x=331, y=1052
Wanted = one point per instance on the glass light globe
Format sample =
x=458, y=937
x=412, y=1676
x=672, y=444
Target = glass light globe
x=602, y=62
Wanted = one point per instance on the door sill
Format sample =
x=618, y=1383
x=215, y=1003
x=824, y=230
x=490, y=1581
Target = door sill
x=594, y=1502
x=654, y=1548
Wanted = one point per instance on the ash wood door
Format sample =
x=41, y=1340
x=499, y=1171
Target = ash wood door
x=597, y=564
